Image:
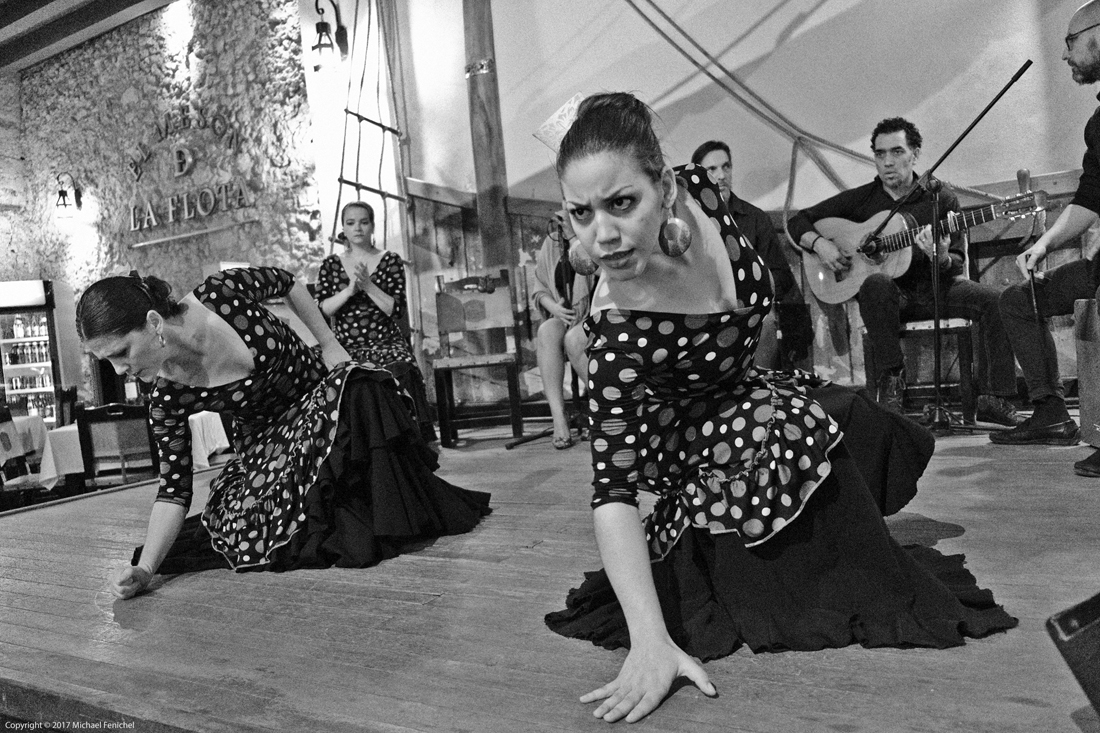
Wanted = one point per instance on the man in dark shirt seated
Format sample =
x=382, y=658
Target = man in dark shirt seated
x=884, y=302
x=786, y=334
x=1057, y=289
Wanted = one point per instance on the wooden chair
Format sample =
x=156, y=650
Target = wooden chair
x=115, y=433
x=962, y=329
x=66, y=406
x=477, y=305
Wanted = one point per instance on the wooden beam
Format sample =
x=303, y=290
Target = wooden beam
x=77, y=25
x=443, y=194
x=487, y=133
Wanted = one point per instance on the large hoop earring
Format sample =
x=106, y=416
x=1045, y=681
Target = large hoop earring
x=581, y=262
x=674, y=237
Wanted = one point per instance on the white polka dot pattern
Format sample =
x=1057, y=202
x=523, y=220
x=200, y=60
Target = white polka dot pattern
x=361, y=327
x=284, y=415
x=678, y=410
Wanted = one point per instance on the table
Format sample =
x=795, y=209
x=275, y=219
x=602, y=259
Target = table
x=61, y=450
x=32, y=429
x=22, y=436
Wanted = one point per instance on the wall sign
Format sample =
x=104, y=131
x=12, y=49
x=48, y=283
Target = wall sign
x=190, y=140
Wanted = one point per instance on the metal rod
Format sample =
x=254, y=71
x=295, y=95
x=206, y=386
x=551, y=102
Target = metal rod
x=363, y=187
x=376, y=123
x=186, y=235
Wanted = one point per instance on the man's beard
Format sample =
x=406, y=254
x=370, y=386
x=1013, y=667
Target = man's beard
x=1088, y=73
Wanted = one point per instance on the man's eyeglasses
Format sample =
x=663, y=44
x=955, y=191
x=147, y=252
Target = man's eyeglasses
x=1072, y=36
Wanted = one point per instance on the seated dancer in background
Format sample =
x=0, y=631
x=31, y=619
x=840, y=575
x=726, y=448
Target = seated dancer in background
x=789, y=314
x=764, y=531
x=362, y=293
x=884, y=302
x=559, y=334
x=330, y=468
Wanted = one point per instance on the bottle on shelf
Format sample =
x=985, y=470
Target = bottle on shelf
x=17, y=328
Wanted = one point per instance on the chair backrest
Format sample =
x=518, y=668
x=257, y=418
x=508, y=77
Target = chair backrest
x=114, y=431
x=66, y=406
x=476, y=303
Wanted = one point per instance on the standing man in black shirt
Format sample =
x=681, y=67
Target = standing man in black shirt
x=884, y=302
x=1056, y=290
x=789, y=320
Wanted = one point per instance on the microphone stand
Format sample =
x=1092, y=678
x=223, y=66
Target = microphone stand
x=941, y=418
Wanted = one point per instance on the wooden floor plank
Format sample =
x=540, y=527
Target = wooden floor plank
x=452, y=639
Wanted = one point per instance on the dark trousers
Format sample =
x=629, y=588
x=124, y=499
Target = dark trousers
x=1055, y=292
x=884, y=307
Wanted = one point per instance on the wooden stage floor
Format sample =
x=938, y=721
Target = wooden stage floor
x=451, y=638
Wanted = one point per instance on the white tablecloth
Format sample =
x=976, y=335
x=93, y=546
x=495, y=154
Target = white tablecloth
x=61, y=449
x=207, y=438
x=23, y=436
x=32, y=429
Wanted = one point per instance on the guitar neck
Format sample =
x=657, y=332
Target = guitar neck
x=960, y=221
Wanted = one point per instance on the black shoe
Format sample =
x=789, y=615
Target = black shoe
x=1062, y=433
x=891, y=391
x=1089, y=466
x=997, y=410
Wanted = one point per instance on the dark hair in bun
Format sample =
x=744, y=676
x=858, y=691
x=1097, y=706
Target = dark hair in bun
x=362, y=205
x=115, y=306
x=614, y=122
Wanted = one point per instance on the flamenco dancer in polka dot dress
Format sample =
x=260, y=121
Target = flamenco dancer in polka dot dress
x=363, y=295
x=764, y=530
x=330, y=469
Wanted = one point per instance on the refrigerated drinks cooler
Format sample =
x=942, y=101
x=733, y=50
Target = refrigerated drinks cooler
x=39, y=348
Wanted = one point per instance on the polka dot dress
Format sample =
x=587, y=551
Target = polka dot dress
x=285, y=415
x=678, y=409
x=361, y=326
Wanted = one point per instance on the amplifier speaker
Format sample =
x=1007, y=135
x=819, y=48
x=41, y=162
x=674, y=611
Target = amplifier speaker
x=1076, y=633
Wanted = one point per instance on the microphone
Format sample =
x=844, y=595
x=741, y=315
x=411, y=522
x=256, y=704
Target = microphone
x=931, y=184
x=1023, y=177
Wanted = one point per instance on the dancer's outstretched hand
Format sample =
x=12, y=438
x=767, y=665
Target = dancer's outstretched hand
x=129, y=580
x=645, y=679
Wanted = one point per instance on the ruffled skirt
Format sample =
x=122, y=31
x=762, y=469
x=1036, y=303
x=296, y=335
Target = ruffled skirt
x=372, y=497
x=832, y=577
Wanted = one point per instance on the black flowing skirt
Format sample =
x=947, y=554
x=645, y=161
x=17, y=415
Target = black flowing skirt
x=831, y=578
x=375, y=497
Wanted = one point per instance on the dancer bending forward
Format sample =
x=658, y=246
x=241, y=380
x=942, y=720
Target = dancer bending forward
x=330, y=467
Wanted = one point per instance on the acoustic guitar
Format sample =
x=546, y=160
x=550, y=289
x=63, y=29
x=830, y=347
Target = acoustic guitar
x=889, y=252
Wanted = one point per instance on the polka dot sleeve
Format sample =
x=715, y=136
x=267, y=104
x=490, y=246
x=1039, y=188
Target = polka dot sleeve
x=255, y=283
x=389, y=276
x=173, y=438
x=616, y=394
x=328, y=278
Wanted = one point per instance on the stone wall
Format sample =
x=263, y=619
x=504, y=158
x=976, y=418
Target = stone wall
x=12, y=174
x=191, y=120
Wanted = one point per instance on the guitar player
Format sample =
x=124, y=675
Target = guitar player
x=887, y=300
